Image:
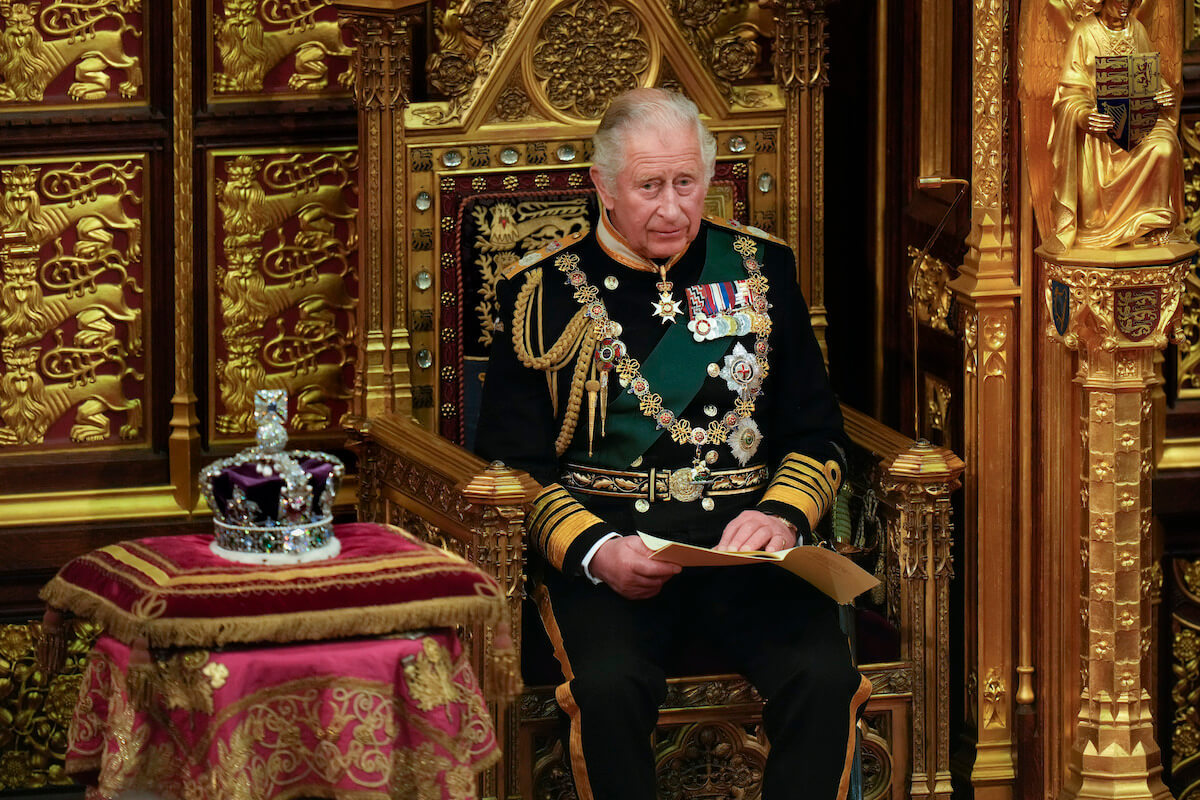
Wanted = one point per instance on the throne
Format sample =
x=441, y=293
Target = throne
x=469, y=168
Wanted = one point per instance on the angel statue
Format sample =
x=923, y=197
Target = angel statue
x=1099, y=92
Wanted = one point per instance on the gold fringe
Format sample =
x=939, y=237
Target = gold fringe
x=338, y=623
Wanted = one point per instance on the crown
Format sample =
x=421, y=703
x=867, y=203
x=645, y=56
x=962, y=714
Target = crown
x=271, y=506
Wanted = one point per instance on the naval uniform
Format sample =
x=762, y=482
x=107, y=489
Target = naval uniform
x=633, y=423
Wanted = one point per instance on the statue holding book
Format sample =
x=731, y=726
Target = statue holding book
x=1100, y=93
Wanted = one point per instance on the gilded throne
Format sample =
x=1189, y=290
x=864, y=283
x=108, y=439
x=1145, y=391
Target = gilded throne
x=479, y=155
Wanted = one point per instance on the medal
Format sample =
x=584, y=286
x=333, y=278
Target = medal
x=666, y=307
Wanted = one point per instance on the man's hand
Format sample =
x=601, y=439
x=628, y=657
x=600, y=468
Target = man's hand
x=1165, y=98
x=625, y=565
x=753, y=530
x=1098, y=124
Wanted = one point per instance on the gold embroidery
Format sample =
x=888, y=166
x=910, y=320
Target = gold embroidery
x=429, y=679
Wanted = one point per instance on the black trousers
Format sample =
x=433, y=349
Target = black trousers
x=769, y=625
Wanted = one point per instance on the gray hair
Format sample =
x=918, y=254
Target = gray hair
x=642, y=109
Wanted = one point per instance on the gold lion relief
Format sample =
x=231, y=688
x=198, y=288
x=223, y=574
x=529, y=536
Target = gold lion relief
x=41, y=41
x=71, y=322
x=248, y=50
x=285, y=257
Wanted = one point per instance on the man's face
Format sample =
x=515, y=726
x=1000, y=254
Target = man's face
x=1118, y=10
x=657, y=199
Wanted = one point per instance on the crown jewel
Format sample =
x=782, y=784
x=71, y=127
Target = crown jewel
x=269, y=505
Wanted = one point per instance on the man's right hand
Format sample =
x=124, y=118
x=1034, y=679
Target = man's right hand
x=624, y=564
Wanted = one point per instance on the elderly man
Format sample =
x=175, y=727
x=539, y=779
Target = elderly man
x=660, y=375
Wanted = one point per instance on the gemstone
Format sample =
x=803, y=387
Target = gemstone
x=565, y=153
x=423, y=280
x=423, y=201
x=737, y=144
x=424, y=358
x=509, y=156
x=451, y=158
x=765, y=182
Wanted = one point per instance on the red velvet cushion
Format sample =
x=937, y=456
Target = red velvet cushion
x=174, y=591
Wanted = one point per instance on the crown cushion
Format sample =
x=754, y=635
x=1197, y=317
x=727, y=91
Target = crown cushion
x=176, y=592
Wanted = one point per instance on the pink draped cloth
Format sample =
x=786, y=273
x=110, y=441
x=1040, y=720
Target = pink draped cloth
x=396, y=717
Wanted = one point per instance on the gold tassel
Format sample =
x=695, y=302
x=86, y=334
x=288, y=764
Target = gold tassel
x=504, y=676
x=593, y=390
x=603, y=404
x=52, y=644
x=140, y=676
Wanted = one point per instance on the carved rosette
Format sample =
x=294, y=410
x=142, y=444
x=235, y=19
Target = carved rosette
x=587, y=54
x=268, y=49
x=285, y=249
x=71, y=54
x=1116, y=316
x=72, y=302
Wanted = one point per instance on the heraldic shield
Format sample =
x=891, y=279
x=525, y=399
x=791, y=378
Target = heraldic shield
x=1125, y=87
x=1060, y=306
x=1137, y=311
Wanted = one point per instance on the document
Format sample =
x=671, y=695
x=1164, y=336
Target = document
x=832, y=573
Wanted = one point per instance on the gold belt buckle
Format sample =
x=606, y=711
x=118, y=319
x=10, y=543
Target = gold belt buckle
x=683, y=487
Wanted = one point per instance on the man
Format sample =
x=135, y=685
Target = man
x=660, y=374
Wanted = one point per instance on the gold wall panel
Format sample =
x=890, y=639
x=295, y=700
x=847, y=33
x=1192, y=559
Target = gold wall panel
x=276, y=49
x=283, y=254
x=36, y=707
x=1188, y=349
x=71, y=317
x=732, y=40
x=71, y=53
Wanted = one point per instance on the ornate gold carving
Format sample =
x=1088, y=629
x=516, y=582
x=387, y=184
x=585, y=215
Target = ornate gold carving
x=710, y=759
x=933, y=299
x=507, y=231
x=1188, y=351
x=41, y=41
x=937, y=410
x=988, y=125
x=587, y=54
x=253, y=37
x=61, y=344
x=513, y=103
x=36, y=706
x=728, y=40
x=289, y=243
x=995, y=688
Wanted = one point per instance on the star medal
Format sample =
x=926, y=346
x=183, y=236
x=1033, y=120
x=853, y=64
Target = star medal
x=666, y=307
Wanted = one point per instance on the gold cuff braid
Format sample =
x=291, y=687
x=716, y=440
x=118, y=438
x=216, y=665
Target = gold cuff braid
x=806, y=484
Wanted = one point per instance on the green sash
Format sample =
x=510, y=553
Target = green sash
x=676, y=369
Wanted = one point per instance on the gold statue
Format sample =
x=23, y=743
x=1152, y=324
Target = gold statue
x=1100, y=94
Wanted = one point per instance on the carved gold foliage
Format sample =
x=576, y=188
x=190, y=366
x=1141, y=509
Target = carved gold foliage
x=252, y=38
x=728, y=38
x=71, y=325
x=507, y=231
x=284, y=275
x=933, y=297
x=464, y=30
x=1188, y=350
x=995, y=706
x=36, y=706
x=513, y=103
x=937, y=409
x=99, y=39
x=587, y=54
x=988, y=123
x=1185, y=693
x=1189, y=130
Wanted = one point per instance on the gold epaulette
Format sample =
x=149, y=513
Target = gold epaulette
x=530, y=259
x=734, y=225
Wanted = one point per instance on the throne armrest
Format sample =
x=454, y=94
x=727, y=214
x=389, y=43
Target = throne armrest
x=447, y=496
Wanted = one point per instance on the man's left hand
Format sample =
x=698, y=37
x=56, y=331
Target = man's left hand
x=753, y=530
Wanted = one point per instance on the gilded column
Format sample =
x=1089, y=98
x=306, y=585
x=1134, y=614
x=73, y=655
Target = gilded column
x=184, y=444
x=987, y=289
x=800, y=70
x=920, y=481
x=1116, y=316
x=383, y=69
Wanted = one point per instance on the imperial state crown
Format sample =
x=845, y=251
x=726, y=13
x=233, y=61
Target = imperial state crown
x=272, y=506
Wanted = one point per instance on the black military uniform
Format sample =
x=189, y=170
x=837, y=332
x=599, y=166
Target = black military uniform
x=633, y=423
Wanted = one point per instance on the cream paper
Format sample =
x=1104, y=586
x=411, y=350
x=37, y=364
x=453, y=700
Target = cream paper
x=832, y=573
